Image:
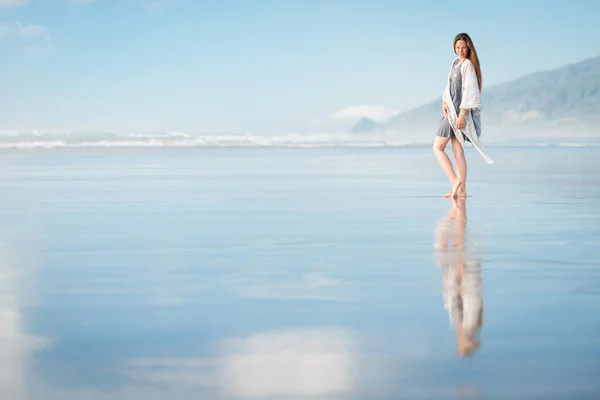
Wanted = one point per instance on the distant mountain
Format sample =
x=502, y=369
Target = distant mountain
x=367, y=125
x=564, y=101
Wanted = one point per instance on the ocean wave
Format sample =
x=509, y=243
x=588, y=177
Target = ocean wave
x=12, y=139
x=45, y=139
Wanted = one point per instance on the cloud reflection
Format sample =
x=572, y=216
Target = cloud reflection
x=296, y=362
x=315, y=283
x=16, y=346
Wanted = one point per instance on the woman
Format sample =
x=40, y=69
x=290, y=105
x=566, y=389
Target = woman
x=461, y=106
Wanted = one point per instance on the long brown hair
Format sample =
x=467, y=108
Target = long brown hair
x=471, y=54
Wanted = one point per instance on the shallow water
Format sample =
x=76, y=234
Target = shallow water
x=298, y=273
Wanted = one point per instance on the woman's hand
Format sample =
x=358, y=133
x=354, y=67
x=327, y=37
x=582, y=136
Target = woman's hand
x=445, y=110
x=460, y=122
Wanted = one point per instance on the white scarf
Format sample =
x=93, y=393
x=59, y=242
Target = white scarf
x=471, y=100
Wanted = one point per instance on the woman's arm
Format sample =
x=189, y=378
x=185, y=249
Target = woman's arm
x=460, y=121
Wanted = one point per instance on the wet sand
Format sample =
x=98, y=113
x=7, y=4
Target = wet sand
x=297, y=274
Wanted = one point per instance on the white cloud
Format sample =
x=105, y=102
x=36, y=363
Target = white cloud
x=154, y=5
x=13, y=3
x=31, y=30
x=5, y=30
x=151, y=6
x=26, y=31
x=376, y=113
x=34, y=48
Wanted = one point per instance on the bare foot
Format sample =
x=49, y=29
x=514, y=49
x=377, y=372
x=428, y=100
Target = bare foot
x=456, y=188
x=461, y=193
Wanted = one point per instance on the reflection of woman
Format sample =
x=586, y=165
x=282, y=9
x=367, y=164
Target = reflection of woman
x=462, y=278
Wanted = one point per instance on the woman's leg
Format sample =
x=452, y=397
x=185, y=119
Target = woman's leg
x=461, y=167
x=439, y=149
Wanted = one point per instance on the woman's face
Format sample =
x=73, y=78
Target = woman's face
x=461, y=49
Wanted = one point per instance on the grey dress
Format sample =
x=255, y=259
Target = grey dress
x=445, y=130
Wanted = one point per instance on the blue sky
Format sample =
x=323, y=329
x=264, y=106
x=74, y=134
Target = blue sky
x=261, y=66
